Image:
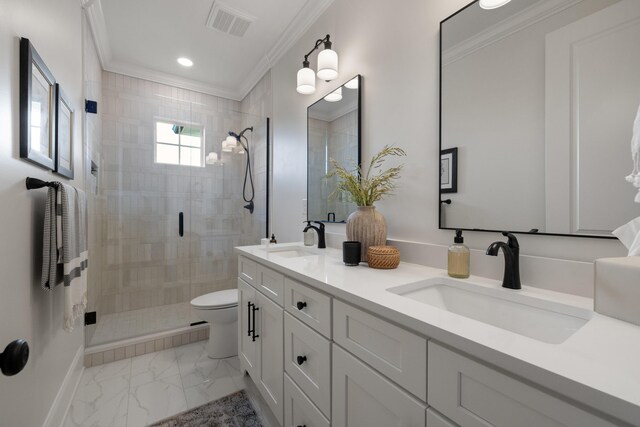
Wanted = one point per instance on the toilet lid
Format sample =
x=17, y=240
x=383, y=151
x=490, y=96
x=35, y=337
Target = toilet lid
x=215, y=300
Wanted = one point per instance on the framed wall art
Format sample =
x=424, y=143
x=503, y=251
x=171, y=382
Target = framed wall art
x=449, y=170
x=64, y=134
x=37, y=108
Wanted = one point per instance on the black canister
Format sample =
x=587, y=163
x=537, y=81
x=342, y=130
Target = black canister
x=351, y=253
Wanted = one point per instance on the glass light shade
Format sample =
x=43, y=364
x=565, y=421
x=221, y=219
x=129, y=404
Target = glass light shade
x=306, y=81
x=212, y=158
x=352, y=84
x=327, y=64
x=334, y=96
x=493, y=4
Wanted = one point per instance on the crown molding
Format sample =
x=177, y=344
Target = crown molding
x=335, y=114
x=309, y=13
x=95, y=16
x=171, y=80
x=517, y=22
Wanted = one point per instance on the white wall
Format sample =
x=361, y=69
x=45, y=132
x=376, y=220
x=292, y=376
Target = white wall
x=396, y=50
x=27, y=311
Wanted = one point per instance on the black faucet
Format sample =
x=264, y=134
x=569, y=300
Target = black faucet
x=511, y=251
x=319, y=230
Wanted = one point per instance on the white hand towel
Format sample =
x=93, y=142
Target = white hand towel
x=629, y=235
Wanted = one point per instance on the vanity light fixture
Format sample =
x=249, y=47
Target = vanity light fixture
x=327, y=67
x=185, y=62
x=493, y=4
x=334, y=96
x=352, y=84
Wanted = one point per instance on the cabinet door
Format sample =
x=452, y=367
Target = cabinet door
x=474, y=395
x=363, y=398
x=270, y=380
x=298, y=409
x=395, y=352
x=247, y=347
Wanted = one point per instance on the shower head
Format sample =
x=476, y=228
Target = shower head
x=233, y=139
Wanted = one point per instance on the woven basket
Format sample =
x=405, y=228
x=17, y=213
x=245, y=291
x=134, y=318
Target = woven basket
x=383, y=257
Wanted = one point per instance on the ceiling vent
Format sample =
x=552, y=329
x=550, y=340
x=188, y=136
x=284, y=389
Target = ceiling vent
x=228, y=20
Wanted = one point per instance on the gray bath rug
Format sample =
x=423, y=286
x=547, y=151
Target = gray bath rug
x=234, y=410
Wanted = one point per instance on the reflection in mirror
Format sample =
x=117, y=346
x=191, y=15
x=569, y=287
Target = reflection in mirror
x=539, y=99
x=333, y=132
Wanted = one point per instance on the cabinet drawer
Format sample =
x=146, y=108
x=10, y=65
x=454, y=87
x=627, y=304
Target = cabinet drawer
x=315, y=307
x=362, y=397
x=434, y=419
x=313, y=374
x=395, y=352
x=298, y=409
x=247, y=270
x=472, y=394
x=270, y=283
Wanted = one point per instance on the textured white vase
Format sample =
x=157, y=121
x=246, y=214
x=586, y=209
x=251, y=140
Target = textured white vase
x=367, y=226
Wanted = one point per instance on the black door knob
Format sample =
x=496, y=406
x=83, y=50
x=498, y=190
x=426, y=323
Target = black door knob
x=301, y=359
x=14, y=358
x=301, y=305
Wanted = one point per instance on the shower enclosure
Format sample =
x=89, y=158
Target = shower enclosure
x=166, y=209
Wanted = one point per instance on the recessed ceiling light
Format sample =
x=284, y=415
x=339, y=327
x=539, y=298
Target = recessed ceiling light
x=185, y=62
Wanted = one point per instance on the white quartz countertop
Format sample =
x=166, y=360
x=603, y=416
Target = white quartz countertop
x=599, y=365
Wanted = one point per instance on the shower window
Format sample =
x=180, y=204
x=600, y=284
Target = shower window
x=179, y=144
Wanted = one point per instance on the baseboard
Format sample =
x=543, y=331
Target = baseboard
x=62, y=402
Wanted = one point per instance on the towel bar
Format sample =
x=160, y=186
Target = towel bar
x=33, y=183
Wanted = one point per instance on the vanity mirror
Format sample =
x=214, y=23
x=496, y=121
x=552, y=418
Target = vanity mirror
x=333, y=132
x=538, y=98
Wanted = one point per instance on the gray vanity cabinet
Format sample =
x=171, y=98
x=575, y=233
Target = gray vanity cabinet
x=247, y=346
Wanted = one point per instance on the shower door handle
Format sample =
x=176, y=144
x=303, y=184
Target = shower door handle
x=181, y=224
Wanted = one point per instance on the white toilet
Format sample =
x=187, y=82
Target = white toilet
x=220, y=310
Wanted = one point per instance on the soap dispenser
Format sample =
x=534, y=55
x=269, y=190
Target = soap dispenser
x=458, y=265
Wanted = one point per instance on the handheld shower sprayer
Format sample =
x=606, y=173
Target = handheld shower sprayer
x=247, y=171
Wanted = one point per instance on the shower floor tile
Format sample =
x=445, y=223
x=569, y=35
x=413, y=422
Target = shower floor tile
x=134, y=323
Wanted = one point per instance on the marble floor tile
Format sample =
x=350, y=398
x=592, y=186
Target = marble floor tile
x=209, y=391
x=100, y=403
x=155, y=400
x=153, y=366
x=197, y=368
x=121, y=368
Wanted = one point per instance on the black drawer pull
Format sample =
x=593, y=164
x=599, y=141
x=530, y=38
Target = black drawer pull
x=303, y=426
x=301, y=359
x=253, y=323
x=301, y=305
x=181, y=224
x=249, y=304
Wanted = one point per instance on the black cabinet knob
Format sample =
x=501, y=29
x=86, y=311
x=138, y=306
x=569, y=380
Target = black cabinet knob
x=301, y=305
x=301, y=359
x=14, y=358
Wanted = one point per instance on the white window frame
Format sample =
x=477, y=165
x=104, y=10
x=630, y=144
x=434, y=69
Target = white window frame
x=157, y=120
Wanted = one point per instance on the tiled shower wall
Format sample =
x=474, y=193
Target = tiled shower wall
x=145, y=262
x=337, y=140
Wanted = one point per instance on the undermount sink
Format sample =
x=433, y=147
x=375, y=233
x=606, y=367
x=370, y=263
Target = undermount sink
x=292, y=251
x=536, y=318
